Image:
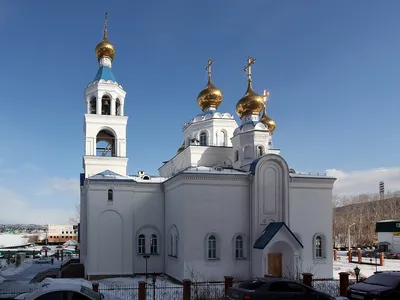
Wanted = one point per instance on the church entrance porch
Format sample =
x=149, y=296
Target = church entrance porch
x=279, y=247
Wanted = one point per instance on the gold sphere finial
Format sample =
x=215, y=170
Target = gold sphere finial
x=266, y=120
x=251, y=103
x=210, y=96
x=105, y=48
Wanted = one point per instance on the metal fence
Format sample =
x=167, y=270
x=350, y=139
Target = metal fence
x=121, y=291
x=164, y=290
x=207, y=290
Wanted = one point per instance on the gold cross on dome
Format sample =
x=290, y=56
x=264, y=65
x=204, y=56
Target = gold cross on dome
x=208, y=68
x=247, y=68
x=105, y=26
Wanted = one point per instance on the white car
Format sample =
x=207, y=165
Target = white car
x=64, y=291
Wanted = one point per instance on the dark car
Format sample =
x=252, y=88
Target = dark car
x=275, y=288
x=381, y=285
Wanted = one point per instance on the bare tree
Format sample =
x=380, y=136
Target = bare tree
x=76, y=218
x=364, y=210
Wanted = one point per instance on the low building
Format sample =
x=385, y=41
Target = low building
x=59, y=234
x=388, y=236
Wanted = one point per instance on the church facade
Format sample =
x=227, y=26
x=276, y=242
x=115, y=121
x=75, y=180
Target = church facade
x=226, y=204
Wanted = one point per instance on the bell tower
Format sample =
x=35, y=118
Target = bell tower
x=105, y=122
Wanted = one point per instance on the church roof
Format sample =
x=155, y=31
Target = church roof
x=105, y=73
x=213, y=170
x=269, y=232
x=110, y=175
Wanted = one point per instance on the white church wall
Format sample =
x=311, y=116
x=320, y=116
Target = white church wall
x=112, y=227
x=197, y=156
x=148, y=219
x=310, y=213
x=176, y=194
x=217, y=205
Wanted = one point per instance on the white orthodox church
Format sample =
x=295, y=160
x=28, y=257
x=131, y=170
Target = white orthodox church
x=226, y=204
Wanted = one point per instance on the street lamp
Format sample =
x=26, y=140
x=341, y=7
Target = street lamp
x=348, y=234
x=154, y=277
x=357, y=272
x=146, y=257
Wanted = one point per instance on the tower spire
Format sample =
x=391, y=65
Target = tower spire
x=105, y=27
x=247, y=68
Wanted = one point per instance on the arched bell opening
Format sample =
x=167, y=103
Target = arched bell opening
x=106, y=105
x=105, y=144
x=93, y=106
x=117, y=107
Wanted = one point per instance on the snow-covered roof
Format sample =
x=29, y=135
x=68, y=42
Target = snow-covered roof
x=213, y=170
x=110, y=175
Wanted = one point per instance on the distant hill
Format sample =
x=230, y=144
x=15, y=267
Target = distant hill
x=363, y=211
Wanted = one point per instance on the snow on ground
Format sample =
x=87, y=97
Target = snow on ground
x=343, y=265
x=25, y=272
x=7, y=239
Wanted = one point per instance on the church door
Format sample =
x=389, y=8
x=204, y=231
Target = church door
x=275, y=264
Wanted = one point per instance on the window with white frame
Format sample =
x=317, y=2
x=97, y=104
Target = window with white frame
x=203, y=139
x=212, y=247
x=239, y=247
x=141, y=244
x=153, y=244
x=319, y=246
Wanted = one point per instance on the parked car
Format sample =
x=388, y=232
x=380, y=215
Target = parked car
x=274, y=289
x=64, y=291
x=382, y=285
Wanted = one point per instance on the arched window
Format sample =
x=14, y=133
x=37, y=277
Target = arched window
x=212, y=247
x=237, y=155
x=176, y=246
x=171, y=245
x=221, y=138
x=318, y=247
x=110, y=195
x=239, y=247
x=141, y=244
x=117, y=107
x=154, y=244
x=260, y=151
x=93, y=106
x=203, y=139
x=106, y=105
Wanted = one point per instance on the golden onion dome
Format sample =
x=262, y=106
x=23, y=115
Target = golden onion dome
x=268, y=122
x=105, y=48
x=251, y=103
x=181, y=148
x=210, y=96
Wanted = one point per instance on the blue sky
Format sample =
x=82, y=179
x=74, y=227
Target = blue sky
x=332, y=67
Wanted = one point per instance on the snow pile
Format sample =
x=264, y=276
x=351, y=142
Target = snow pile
x=13, y=269
x=7, y=240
